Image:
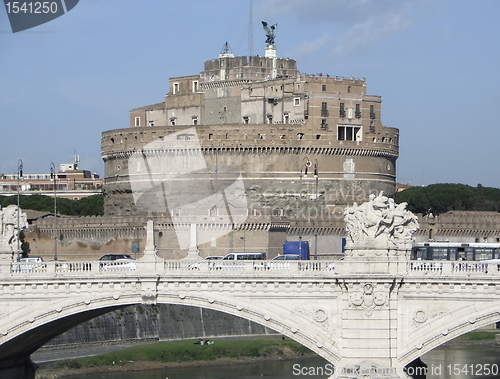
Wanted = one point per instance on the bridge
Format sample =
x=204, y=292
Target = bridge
x=370, y=314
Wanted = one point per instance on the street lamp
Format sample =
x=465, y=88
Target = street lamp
x=19, y=175
x=53, y=175
x=317, y=212
x=305, y=165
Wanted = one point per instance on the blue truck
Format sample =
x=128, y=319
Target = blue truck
x=293, y=247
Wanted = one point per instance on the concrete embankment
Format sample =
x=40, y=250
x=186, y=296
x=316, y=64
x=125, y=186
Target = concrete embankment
x=156, y=322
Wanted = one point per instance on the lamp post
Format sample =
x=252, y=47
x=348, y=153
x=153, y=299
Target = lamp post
x=19, y=175
x=317, y=212
x=53, y=175
x=305, y=165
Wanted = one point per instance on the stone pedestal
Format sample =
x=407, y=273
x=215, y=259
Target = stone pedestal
x=150, y=257
x=270, y=51
x=193, y=252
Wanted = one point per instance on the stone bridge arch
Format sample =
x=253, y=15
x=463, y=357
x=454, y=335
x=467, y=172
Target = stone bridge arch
x=449, y=325
x=26, y=327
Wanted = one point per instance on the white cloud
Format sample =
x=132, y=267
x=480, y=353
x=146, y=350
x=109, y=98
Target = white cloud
x=371, y=30
x=354, y=24
x=309, y=47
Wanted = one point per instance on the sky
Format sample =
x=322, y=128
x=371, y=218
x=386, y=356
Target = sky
x=434, y=62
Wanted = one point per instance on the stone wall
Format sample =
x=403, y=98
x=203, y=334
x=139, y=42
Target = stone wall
x=270, y=165
x=89, y=238
x=157, y=322
x=460, y=226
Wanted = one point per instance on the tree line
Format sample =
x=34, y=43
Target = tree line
x=86, y=206
x=441, y=198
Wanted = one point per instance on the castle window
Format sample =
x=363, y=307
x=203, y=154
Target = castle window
x=349, y=89
x=324, y=109
x=372, y=112
x=318, y=136
x=195, y=86
x=358, y=111
x=137, y=121
x=323, y=88
x=300, y=136
x=296, y=101
x=342, y=110
x=210, y=136
x=246, y=120
x=262, y=136
x=372, y=127
x=324, y=125
x=175, y=88
x=349, y=133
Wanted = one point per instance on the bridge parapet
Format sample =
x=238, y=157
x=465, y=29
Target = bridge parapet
x=450, y=268
x=167, y=268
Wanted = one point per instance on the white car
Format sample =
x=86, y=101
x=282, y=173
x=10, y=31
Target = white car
x=29, y=264
x=117, y=262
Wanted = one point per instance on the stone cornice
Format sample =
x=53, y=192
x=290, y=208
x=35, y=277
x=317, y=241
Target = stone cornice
x=259, y=150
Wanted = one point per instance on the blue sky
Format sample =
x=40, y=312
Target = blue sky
x=435, y=64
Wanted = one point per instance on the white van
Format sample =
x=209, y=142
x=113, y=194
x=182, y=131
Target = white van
x=245, y=257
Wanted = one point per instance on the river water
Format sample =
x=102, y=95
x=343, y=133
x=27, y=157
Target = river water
x=447, y=362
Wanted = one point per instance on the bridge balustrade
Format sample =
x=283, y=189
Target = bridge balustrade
x=452, y=268
x=60, y=268
x=306, y=268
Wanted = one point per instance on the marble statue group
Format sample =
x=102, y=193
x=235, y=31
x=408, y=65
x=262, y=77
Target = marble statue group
x=9, y=229
x=380, y=223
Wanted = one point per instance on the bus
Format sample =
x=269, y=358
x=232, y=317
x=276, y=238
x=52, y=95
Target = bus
x=455, y=251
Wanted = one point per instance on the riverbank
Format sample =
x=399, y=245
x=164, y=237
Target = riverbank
x=177, y=354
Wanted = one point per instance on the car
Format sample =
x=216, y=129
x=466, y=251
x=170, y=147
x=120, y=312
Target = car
x=115, y=257
x=117, y=262
x=287, y=257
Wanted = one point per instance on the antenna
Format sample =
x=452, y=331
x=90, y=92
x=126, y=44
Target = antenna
x=250, y=31
x=76, y=161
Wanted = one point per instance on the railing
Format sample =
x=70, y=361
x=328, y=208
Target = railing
x=453, y=268
x=222, y=267
x=208, y=267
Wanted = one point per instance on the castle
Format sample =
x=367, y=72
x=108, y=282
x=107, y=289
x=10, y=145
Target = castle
x=297, y=148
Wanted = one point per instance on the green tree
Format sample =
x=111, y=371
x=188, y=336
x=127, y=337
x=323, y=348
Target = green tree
x=87, y=206
x=444, y=197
